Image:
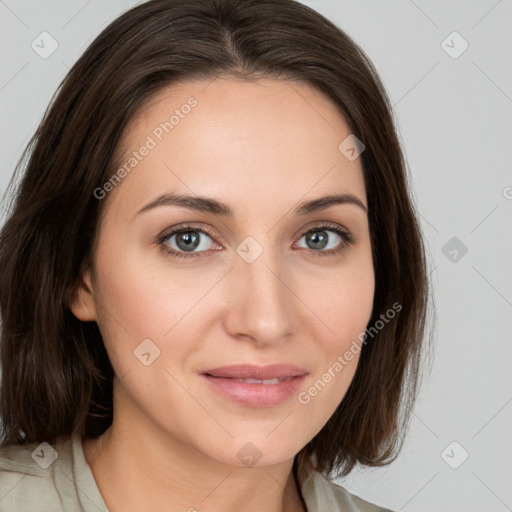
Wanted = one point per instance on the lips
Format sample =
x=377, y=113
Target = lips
x=256, y=386
x=250, y=372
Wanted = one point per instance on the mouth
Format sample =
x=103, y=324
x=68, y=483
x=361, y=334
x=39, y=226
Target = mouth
x=275, y=380
x=257, y=373
x=256, y=386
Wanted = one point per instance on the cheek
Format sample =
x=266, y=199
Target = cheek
x=146, y=297
x=140, y=294
x=354, y=304
x=129, y=307
x=345, y=308
x=343, y=301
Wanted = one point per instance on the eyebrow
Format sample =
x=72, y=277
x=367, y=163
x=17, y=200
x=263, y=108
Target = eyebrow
x=215, y=207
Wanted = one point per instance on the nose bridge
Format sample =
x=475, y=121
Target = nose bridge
x=261, y=306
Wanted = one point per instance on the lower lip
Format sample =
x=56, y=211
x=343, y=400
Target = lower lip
x=256, y=395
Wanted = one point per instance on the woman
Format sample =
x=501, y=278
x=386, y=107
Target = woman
x=214, y=288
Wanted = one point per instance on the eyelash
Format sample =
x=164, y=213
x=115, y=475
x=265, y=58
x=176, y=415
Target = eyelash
x=346, y=236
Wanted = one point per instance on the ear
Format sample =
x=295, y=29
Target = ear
x=82, y=302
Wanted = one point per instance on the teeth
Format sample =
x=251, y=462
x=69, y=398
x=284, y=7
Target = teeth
x=276, y=380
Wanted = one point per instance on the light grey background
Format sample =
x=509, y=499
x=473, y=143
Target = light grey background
x=454, y=116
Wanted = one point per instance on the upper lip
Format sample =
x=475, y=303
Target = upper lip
x=251, y=371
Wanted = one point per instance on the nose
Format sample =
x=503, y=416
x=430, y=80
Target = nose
x=261, y=300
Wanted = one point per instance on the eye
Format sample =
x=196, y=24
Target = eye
x=189, y=242
x=182, y=242
x=318, y=238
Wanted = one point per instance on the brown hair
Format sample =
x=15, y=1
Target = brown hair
x=56, y=375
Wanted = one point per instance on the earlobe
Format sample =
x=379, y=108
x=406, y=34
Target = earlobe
x=82, y=301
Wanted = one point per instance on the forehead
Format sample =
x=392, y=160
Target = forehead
x=266, y=140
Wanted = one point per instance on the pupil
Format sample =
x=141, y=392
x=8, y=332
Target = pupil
x=187, y=240
x=319, y=240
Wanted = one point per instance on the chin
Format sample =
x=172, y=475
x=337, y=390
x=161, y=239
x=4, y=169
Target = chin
x=247, y=453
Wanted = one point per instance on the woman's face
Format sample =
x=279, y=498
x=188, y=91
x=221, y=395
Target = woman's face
x=251, y=287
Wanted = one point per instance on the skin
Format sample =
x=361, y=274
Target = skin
x=261, y=147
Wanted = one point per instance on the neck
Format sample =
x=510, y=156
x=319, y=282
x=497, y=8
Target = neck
x=139, y=469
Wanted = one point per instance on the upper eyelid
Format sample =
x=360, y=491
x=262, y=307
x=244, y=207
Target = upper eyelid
x=166, y=234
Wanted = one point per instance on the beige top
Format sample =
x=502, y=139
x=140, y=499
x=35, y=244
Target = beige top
x=38, y=477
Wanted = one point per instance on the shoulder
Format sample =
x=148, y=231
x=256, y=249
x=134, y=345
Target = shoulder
x=345, y=500
x=321, y=494
x=31, y=476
